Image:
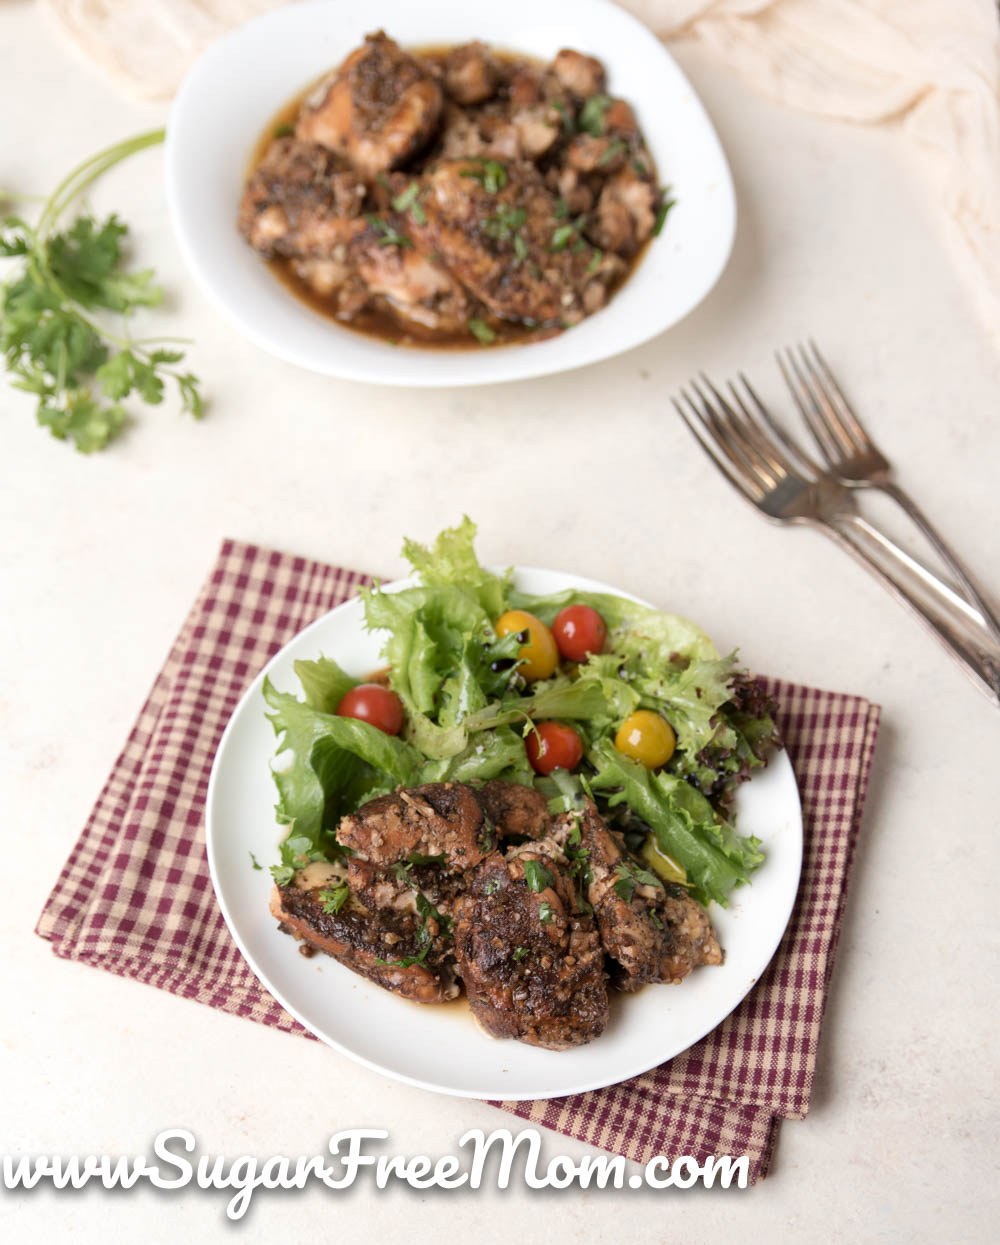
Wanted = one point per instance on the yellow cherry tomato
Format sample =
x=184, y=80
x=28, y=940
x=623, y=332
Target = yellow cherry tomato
x=539, y=656
x=661, y=863
x=645, y=736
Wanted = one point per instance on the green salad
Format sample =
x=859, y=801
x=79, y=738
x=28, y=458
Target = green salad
x=475, y=703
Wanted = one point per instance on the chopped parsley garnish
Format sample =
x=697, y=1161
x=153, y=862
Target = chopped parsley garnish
x=662, y=210
x=614, y=148
x=520, y=953
x=284, y=130
x=334, y=897
x=561, y=209
x=402, y=869
x=255, y=862
x=407, y=961
x=408, y=200
x=427, y=913
x=567, y=119
x=492, y=176
x=629, y=875
x=482, y=332
x=388, y=236
x=561, y=237
x=545, y=912
x=595, y=261
x=491, y=886
x=537, y=876
x=654, y=918
x=505, y=225
x=579, y=867
x=415, y=858
x=591, y=118
x=297, y=851
x=425, y=939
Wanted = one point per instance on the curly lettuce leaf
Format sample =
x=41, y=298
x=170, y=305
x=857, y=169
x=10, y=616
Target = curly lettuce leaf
x=451, y=561
x=682, y=820
x=324, y=761
x=324, y=683
x=661, y=635
x=497, y=753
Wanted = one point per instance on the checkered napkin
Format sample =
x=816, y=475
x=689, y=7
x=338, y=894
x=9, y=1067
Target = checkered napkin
x=135, y=895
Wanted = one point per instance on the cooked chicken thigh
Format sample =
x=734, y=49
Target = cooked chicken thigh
x=508, y=246
x=389, y=945
x=379, y=109
x=437, y=819
x=533, y=966
x=652, y=934
x=301, y=200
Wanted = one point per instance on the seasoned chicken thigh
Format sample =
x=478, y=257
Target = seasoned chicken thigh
x=437, y=819
x=390, y=945
x=500, y=234
x=653, y=934
x=514, y=809
x=301, y=200
x=380, y=108
x=533, y=966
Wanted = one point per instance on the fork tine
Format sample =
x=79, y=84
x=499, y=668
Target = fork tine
x=722, y=444
x=824, y=408
x=756, y=449
x=849, y=423
x=801, y=461
x=809, y=407
x=750, y=489
x=733, y=438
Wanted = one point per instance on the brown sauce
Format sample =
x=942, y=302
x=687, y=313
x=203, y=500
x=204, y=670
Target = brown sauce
x=382, y=322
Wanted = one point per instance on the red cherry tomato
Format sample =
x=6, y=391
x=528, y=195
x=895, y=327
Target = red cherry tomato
x=579, y=630
x=373, y=703
x=553, y=745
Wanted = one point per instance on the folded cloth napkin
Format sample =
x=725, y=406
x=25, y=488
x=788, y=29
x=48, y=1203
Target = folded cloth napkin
x=927, y=70
x=135, y=896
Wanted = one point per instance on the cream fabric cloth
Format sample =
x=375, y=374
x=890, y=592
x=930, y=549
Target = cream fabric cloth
x=930, y=69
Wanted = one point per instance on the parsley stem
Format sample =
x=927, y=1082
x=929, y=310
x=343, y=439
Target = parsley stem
x=81, y=177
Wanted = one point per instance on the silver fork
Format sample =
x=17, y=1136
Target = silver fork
x=856, y=460
x=776, y=476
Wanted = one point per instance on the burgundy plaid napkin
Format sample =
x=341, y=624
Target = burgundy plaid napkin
x=135, y=898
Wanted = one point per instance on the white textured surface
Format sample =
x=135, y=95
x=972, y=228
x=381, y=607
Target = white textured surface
x=591, y=471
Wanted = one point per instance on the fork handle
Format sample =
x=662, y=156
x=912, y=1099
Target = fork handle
x=924, y=595
x=961, y=571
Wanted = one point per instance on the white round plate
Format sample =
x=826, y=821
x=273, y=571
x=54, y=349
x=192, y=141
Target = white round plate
x=440, y=1047
x=235, y=89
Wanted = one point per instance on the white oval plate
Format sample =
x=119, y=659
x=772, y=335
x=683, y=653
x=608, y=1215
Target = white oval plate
x=440, y=1047
x=242, y=80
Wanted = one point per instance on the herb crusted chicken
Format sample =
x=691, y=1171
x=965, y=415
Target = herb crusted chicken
x=534, y=930
x=455, y=196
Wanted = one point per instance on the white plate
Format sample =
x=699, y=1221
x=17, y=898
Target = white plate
x=441, y=1047
x=242, y=80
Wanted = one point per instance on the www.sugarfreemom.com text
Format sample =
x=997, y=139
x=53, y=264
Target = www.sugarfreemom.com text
x=497, y=1158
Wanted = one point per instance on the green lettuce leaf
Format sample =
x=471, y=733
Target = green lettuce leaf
x=323, y=760
x=684, y=823
x=324, y=683
x=452, y=561
x=660, y=634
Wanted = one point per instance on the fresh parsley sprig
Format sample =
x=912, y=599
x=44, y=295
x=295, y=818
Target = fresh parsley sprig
x=52, y=341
